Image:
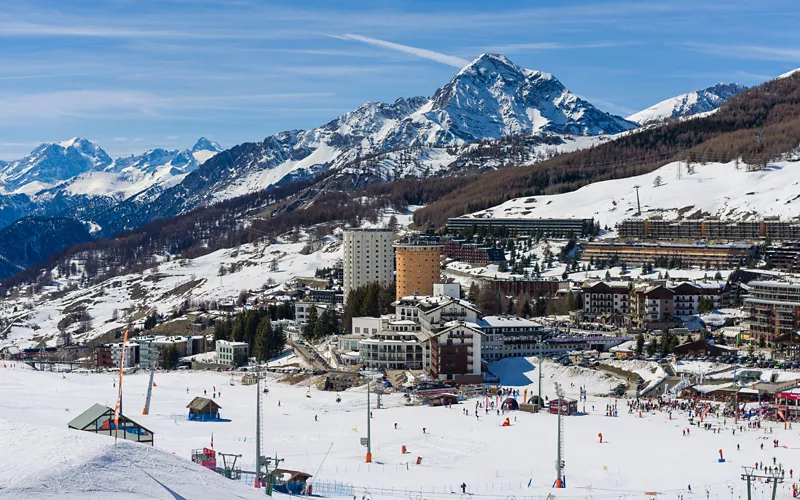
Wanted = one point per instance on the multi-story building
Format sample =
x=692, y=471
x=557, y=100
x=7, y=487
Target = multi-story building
x=151, y=349
x=368, y=257
x=534, y=288
x=472, y=253
x=508, y=336
x=452, y=351
x=232, y=353
x=774, y=308
x=131, y=354
x=102, y=356
x=651, y=304
x=711, y=228
x=785, y=256
x=549, y=227
x=608, y=301
x=672, y=254
x=395, y=347
x=418, y=267
x=326, y=296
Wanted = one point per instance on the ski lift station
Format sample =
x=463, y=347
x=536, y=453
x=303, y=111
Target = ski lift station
x=100, y=420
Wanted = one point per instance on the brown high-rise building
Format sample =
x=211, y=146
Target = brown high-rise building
x=418, y=266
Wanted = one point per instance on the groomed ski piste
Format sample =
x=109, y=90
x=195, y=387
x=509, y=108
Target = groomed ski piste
x=643, y=456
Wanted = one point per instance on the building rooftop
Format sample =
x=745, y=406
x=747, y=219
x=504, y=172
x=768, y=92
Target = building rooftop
x=507, y=321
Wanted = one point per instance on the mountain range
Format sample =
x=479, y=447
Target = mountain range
x=491, y=114
x=689, y=104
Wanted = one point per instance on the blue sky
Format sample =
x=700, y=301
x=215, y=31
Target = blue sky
x=137, y=74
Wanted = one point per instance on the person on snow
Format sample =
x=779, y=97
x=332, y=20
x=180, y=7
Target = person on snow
x=463, y=487
x=423, y=430
x=315, y=418
x=395, y=425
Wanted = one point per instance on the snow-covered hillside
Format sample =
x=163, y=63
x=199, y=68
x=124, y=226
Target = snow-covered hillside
x=715, y=189
x=217, y=276
x=53, y=461
x=692, y=103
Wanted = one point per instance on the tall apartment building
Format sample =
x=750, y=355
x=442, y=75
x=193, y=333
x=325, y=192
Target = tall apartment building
x=607, y=300
x=368, y=257
x=774, y=308
x=711, y=228
x=418, y=267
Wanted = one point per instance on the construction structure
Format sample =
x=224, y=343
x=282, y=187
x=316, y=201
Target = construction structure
x=418, y=262
x=99, y=419
x=368, y=257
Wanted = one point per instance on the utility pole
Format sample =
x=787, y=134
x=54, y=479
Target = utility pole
x=541, y=398
x=638, y=205
x=776, y=476
x=259, y=476
x=369, y=434
x=560, y=455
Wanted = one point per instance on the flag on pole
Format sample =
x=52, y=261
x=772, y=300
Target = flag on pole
x=119, y=393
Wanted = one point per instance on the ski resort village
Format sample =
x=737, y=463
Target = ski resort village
x=402, y=272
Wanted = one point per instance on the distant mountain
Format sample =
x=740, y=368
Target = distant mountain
x=77, y=178
x=699, y=101
x=32, y=239
x=50, y=164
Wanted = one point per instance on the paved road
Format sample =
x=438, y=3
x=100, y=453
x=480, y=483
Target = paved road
x=310, y=355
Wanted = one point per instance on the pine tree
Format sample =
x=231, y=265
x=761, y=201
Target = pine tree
x=639, y=343
x=264, y=346
x=310, y=328
x=527, y=310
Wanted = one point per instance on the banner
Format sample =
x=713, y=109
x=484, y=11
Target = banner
x=119, y=394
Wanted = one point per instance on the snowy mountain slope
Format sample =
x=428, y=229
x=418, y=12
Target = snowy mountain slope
x=490, y=99
x=715, y=189
x=692, y=103
x=54, y=461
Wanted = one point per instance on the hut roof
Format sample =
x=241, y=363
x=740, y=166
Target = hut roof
x=199, y=404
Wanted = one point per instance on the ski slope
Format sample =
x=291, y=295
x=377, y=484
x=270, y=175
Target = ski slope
x=638, y=454
x=715, y=189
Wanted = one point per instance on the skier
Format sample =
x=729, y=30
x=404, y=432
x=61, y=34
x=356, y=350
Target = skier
x=762, y=446
x=204, y=392
x=187, y=390
x=395, y=425
x=315, y=418
x=690, y=488
x=737, y=447
x=423, y=430
x=463, y=487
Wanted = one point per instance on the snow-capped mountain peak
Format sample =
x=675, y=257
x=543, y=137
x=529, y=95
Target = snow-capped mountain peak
x=692, y=103
x=52, y=163
x=204, y=144
x=204, y=149
x=492, y=97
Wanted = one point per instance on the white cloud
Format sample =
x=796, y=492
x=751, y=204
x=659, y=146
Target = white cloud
x=748, y=51
x=424, y=53
x=84, y=103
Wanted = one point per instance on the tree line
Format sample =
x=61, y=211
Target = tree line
x=254, y=327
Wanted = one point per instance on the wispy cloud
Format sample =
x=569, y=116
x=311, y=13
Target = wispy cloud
x=90, y=103
x=542, y=46
x=747, y=51
x=423, y=53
